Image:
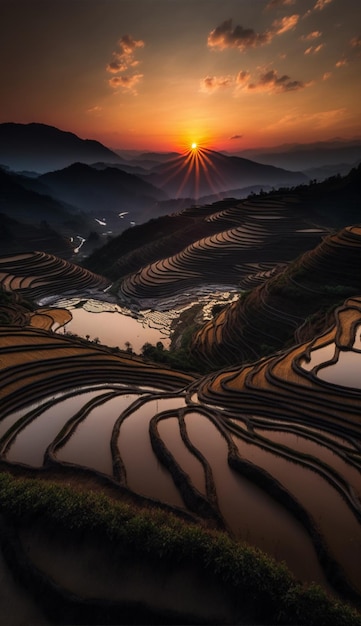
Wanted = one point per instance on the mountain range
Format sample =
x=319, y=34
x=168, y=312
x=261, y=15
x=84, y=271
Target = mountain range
x=81, y=187
x=329, y=157
x=44, y=148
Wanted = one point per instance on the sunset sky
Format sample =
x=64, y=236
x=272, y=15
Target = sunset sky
x=161, y=74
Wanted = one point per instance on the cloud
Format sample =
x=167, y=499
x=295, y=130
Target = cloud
x=270, y=82
x=273, y=4
x=125, y=82
x=225, y=36
x=123, y=55
x=236, y=137
x=284, y=24
x=341, y=63
x=311, y=36
x=314, y=49
x=95, y=109
x=321, y=4
x=355, y=42
x=243, y=78
x=122, y=61
x=267, y=82
x=326, y=75
x=209, y=84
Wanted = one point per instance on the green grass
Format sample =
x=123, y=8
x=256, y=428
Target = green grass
x=250, y=577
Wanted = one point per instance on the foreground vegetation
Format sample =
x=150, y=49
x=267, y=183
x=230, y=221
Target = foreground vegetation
x=253, y=581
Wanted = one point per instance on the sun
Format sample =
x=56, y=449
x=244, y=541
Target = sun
x=194, y=146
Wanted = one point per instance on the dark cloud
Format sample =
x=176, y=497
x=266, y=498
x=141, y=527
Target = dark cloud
x=225, y=36
x=272, y=83
x=237, y=137
x=267, y=82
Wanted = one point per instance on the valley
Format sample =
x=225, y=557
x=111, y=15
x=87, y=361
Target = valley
x=260, y=439
x=180, y=400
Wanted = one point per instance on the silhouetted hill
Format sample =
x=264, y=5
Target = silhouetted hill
x=44, y=148
x=32, y=207
x=99, y=191
x=18, y=236
x=208, y=172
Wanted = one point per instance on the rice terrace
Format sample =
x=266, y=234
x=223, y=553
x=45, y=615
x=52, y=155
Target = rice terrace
x=228, y=491
x=180, y=313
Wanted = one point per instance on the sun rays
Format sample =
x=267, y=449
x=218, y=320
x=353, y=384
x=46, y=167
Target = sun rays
x=195, y=172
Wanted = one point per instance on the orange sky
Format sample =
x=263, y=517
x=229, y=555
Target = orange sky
x=159, y=74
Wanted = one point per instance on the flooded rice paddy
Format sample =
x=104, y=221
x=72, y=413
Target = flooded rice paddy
x=143, y=438
x=78, y=428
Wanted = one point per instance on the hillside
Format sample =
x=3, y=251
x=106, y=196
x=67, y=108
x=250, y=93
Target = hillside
x=250, y=237
x=106, y=190
x=18, y=236
x=248, y=449
x=44, y=148
x=287, y=308
x=22, y=203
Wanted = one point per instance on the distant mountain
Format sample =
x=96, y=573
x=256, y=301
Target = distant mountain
x=306, y=156
x=124, y=166
x=149, y=159
x=28, y=205
x=209, y=172
x=44, y=148
x=101, y=190
x=325, y=171
x=145, y=159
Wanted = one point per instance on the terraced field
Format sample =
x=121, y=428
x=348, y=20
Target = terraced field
x=269, y=451
x=286, y=411
x=34, y=274
x=249, y=242
x=281, y=309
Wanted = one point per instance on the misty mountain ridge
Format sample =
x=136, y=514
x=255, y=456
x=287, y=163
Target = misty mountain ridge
x=213, y=172
x=303, y=157
x=25, y=199
x=93, y=190
x=44, y=148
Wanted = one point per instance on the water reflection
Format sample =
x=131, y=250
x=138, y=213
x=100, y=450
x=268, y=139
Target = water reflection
x=89, y=445
x=32, y=441
x=113, y=325
x=145, y=474
x=246, y=507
